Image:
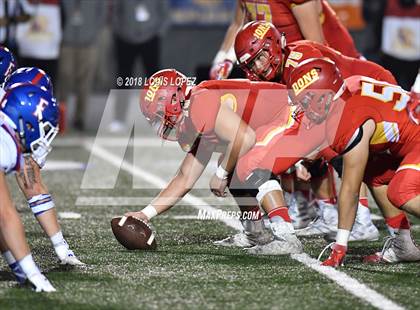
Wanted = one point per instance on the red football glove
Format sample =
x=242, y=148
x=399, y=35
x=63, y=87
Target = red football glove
x=221, y=70
x=336, y=257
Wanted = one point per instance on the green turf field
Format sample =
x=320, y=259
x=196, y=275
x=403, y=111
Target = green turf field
x=187, y=271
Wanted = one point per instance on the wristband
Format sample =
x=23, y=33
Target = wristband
x=150, y=212
x=221, y=173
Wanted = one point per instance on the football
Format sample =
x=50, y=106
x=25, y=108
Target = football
x=133, y=234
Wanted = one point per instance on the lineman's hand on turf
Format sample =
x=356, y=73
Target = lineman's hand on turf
x=218, y=186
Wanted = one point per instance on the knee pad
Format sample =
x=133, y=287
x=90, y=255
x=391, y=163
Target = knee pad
x=41, y=203
x=268, y=186
x=260, y=182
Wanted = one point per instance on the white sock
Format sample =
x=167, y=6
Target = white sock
x=28, y=266
x=58, y=239
x=8, y=256
x=363, y=214
x=61, y=247
x=342, y=237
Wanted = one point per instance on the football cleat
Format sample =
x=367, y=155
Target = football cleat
x=40, y=283
x=364, y=232
x=400, y=248
x=254, y=233
x=71, y=259
x=285, y=241
x=317, y=228
x=300, y=211
x=325, y=224
x=18, y=273
x=66, y=256
x=238, y=240
x=337, y=255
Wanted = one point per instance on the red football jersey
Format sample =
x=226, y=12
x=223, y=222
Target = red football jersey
x=280, y=145
x=279, y=13
x=386, y=104
x=298, y=51
x=335, y=34
x=257, y=103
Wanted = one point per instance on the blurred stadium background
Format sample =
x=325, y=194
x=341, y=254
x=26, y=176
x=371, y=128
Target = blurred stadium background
x=180, y=34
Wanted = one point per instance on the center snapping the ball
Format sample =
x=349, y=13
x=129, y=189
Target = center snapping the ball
x=133, y=234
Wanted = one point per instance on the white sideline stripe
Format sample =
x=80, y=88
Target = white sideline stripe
x=58, y=165
x=346, y=282
x=195, y=202
x=69, y=215
x=135, y=201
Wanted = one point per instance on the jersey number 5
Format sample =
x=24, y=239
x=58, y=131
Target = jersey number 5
x=386, y=92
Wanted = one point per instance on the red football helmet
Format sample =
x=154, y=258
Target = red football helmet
x=162, y=102
x=313, y=86
x=258, y=50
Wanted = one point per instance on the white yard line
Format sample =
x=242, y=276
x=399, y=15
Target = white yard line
x=136, y=201
x=113, y=142
x=349, y=284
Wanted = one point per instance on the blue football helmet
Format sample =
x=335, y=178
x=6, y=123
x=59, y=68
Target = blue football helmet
x=7, y=63
x=33, y=113
x=30, y=75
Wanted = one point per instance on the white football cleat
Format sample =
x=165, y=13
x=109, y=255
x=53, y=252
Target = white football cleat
x=71, y=259
x=301, y=211
x=363, y=228
x=40, y=283
x=285, y=241
x=325, y=224
x=364, y=232
x=400, y=248
x=254, y=233
x=238, y=240
x=66, y=256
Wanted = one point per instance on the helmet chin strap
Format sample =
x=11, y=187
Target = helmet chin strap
x=340, y=91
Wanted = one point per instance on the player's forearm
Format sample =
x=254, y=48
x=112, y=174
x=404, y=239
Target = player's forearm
x=174, y=192
x=29, y=179
x=10, y=224
x=307, y=16
x=237, y=148
x=226, y=49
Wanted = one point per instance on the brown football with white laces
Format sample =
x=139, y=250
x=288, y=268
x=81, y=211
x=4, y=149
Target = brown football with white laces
x=133, y=234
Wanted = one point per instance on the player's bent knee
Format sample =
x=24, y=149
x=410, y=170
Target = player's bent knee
x=269, y=186
x=404, y=187
x=41, y=203
x=413, y=206
x=260, y=181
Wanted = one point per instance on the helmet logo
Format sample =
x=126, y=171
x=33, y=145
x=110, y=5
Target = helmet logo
x=304, y=81
x=151, y=92
x=40, y=108
x=261, y=30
